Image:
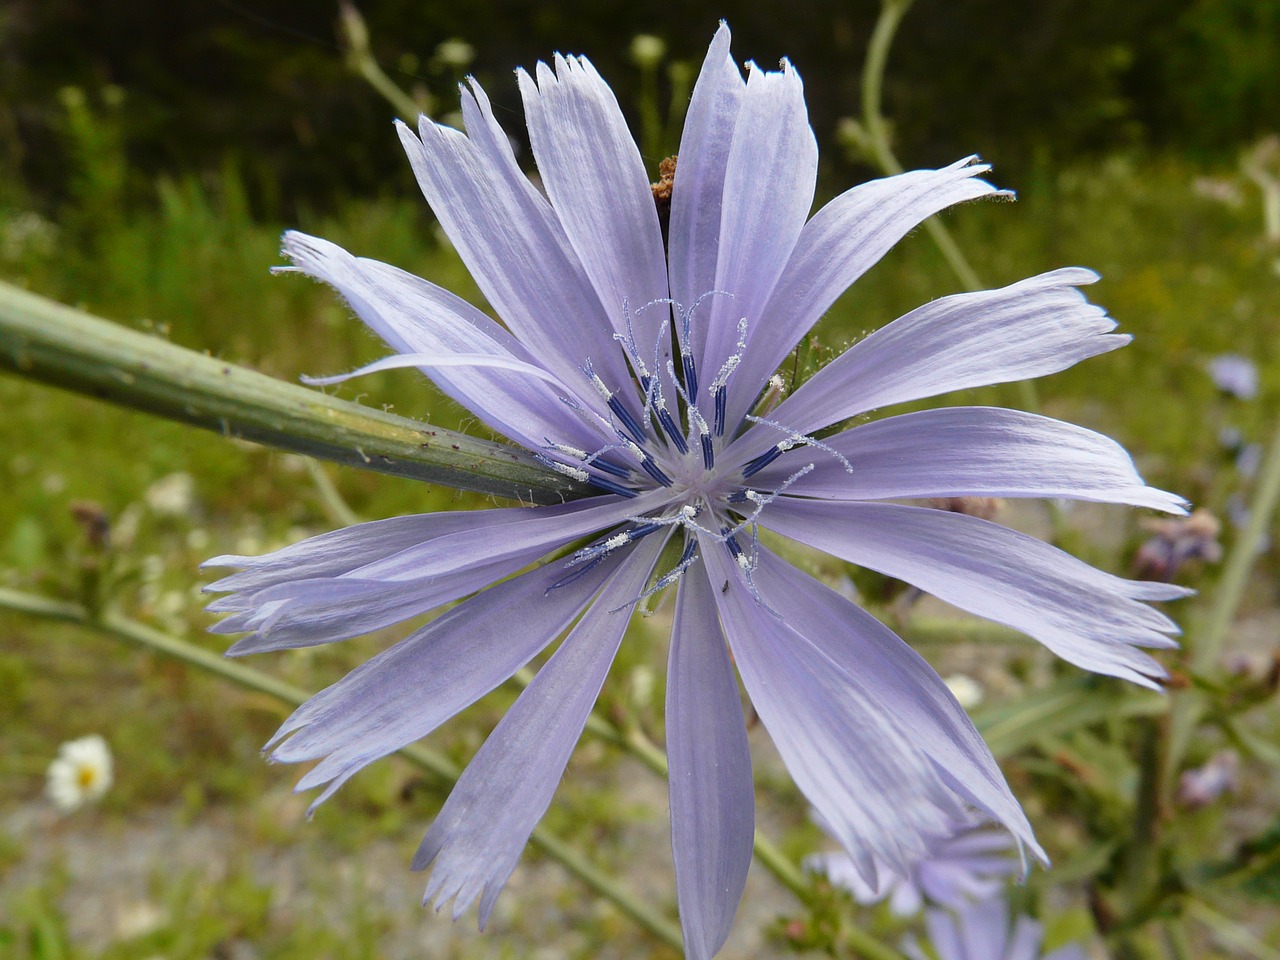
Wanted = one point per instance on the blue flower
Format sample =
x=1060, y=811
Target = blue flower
x=981, y=931
x=973, y=863
x=1231, y=373
x=632, y=357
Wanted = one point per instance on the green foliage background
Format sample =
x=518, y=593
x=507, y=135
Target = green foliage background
x=151, y=154
x=263, y=85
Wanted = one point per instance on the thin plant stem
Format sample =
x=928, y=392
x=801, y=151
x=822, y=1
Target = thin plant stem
x=360, y=58
x=873, y=72
x=57, y=345
x=336, y=509
x=1230, y=932
x=1191, y=704
x=154, y=641
x=1240, y=564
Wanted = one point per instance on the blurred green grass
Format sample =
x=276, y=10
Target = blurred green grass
x=1187, y=274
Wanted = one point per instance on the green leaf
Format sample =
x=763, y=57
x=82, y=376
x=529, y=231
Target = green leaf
x=1067, y=705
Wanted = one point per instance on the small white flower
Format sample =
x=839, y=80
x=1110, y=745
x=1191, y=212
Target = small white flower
x=171, y=496
x=967, y=691
x=80, y=773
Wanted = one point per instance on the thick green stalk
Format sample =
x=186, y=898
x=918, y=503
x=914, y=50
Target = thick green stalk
x=154, y=641
x=58, y=345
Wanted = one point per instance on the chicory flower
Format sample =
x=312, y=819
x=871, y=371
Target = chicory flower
x=638, y=335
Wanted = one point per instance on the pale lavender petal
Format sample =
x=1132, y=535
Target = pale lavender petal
x=906, y=899
x=415, y=316
x=312, y=612
x=698, y=192
x=482, y=829
x=537, y=529
x=598, y=186
x=984, y=928
x=839, y=868
x=405, y=692
x=432, y=361
x=712, y=795
x=1090, y=618
x=944, y=934
x=853, y=759
x=902, y=685
x=973, y=865
x=449, y=559
x=512, y=242
x=768, y=189
x=1028, y=329
x=1024, y=942
x=339, y=551
x=969, y=451
x=842, y=241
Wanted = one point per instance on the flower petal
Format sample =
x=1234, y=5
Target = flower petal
x=853, y=759
x=479, y=834
x=340, y=551
x=598, y=186
x=768, y=189
x=1028, y=329
x=698, y=192
x=307, y=613
x=1090, y=618
x=944, y=934
x=405, y=692
x=842, y=241
x=1024, y=940
x=905, y=687
x=512, y=242
x=415, y=316
x=712, y=795
x=453, y=554
x=969, y=451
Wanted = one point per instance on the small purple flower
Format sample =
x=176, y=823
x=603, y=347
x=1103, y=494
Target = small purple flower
x=1234, y=374
x=1175, y=542
x=631, y=358
x=1202, y=785
x=972, y=863
x=981, y=931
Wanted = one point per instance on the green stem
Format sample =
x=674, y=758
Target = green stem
x=1230, y=932
x=1204, y=655
x=63, y=347
x=873, y=72
x=361, y=59
x=154, y=641
x=1192, y=704
x=1175, y=935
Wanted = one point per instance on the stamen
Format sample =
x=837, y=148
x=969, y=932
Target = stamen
x=708, y=452
x=577, y=474
x=722, y=399
x=796, y=439
x=766, y=458
x=671, y=430
x=690, y=373
x=621, y=539
x=608, y=466
x=653, y=470
x=608, y=486
x=691, y=409
x=762, y=500
x=573, y=575
x=571, y=452
x=687, y=559
x=628, y=421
